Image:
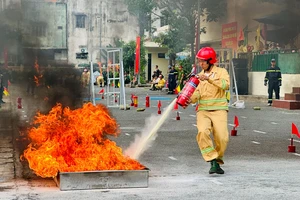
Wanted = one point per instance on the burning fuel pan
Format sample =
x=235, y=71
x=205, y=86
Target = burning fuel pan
x=108, y=179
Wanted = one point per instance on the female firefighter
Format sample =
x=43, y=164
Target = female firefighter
x=212, y=109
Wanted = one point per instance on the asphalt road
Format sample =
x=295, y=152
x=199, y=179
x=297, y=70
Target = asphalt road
x=257, y=163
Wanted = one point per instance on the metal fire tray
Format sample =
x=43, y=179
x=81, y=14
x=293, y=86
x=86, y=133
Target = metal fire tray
x=106, y=179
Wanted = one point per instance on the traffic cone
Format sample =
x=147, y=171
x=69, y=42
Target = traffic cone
x=236, y=124
x=177, y=116
x=292, y=148
x=159, y=105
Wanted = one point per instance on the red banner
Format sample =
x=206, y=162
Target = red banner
x=229, y=35
x=137, y=54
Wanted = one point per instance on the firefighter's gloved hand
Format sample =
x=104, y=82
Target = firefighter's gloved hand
x=279, y=84
x=265, y=84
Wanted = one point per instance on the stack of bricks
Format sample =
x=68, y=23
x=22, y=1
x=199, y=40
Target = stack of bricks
x=291, y=100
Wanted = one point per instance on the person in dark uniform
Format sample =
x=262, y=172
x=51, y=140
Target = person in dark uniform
x=273, y=80
x=172, y=80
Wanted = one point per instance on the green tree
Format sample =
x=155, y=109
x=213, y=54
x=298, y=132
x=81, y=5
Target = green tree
x=129, y=58
x=182, y=17
x=142, y=9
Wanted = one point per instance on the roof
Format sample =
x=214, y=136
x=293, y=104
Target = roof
x=284, y=18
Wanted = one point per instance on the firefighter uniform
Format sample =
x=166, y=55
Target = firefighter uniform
x=212, y=114
x=273, y=79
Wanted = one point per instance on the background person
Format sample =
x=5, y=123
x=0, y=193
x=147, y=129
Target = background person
x=273, y=80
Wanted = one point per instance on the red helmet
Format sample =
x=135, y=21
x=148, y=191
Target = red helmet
x=207, y=53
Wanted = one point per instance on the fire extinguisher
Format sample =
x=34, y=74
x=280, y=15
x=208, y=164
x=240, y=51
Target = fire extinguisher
x=147, y=101
x=187, y=91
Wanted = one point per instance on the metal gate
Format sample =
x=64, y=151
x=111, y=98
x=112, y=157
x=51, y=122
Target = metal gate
x=111, y=61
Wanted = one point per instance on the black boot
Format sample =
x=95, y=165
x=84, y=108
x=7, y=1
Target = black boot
x=215, y=168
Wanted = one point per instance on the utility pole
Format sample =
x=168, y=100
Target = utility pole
x=199, y=28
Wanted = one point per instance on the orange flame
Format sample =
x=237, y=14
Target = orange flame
x=68, y=140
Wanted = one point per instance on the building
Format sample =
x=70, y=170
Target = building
x=55, y=30
x=244, y=21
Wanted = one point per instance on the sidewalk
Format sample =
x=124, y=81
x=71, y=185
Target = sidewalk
x=7, y=167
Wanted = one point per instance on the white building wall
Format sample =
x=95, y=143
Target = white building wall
x=256, y=83
x=105, y=21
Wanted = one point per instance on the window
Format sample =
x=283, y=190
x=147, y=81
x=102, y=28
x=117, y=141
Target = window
x=39, y=30
x=161, y=55
x=80, y=21
x=164, y=21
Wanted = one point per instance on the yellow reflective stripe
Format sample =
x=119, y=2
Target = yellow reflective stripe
x=279, y=78
x=213, y=108
x=223, y=84
x=266, y=79
x=273, y=70
x=207, y=150
x=212, y=101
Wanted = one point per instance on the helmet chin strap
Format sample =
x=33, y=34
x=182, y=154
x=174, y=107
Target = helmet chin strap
x=210, y=65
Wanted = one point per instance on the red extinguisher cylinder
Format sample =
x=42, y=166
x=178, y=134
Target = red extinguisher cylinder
x=187, y=91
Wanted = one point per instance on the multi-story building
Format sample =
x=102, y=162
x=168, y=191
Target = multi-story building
x=55, y=30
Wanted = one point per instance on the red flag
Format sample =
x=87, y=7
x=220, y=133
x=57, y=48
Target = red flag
x=101, y=91
x=196, y=109
x=137, y=54
x=176, y=106
x=9, y=83
x=241, y=37
x=295, y=130
x=159, y=103
x=236, y=122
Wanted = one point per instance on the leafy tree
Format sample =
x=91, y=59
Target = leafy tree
x=183, y=16
x=142, y=9
x=129, y=58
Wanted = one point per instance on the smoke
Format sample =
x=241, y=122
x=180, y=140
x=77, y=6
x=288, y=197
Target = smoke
x=148, y=134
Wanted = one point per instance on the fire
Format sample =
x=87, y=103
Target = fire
x=68, y=140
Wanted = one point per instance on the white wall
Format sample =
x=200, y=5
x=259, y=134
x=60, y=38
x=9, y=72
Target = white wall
x=256, y=83
x=105, y=21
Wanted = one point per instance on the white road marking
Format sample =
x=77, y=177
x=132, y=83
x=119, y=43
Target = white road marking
x=274, y=123
x=172, y=158
x=180, y=112
x=256, y=131
x=290, y=113
x=23, y=110
x=296, y=154
x=254, y=142
x=127, y=128
x=25, y=115
x=127, y=134
x=216, y=182
x=195, y=125
x=231, y=125
x=243, y=117
x=193, y=115
x=295, y=140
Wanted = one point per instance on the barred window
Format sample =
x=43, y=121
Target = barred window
x=80, y=21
